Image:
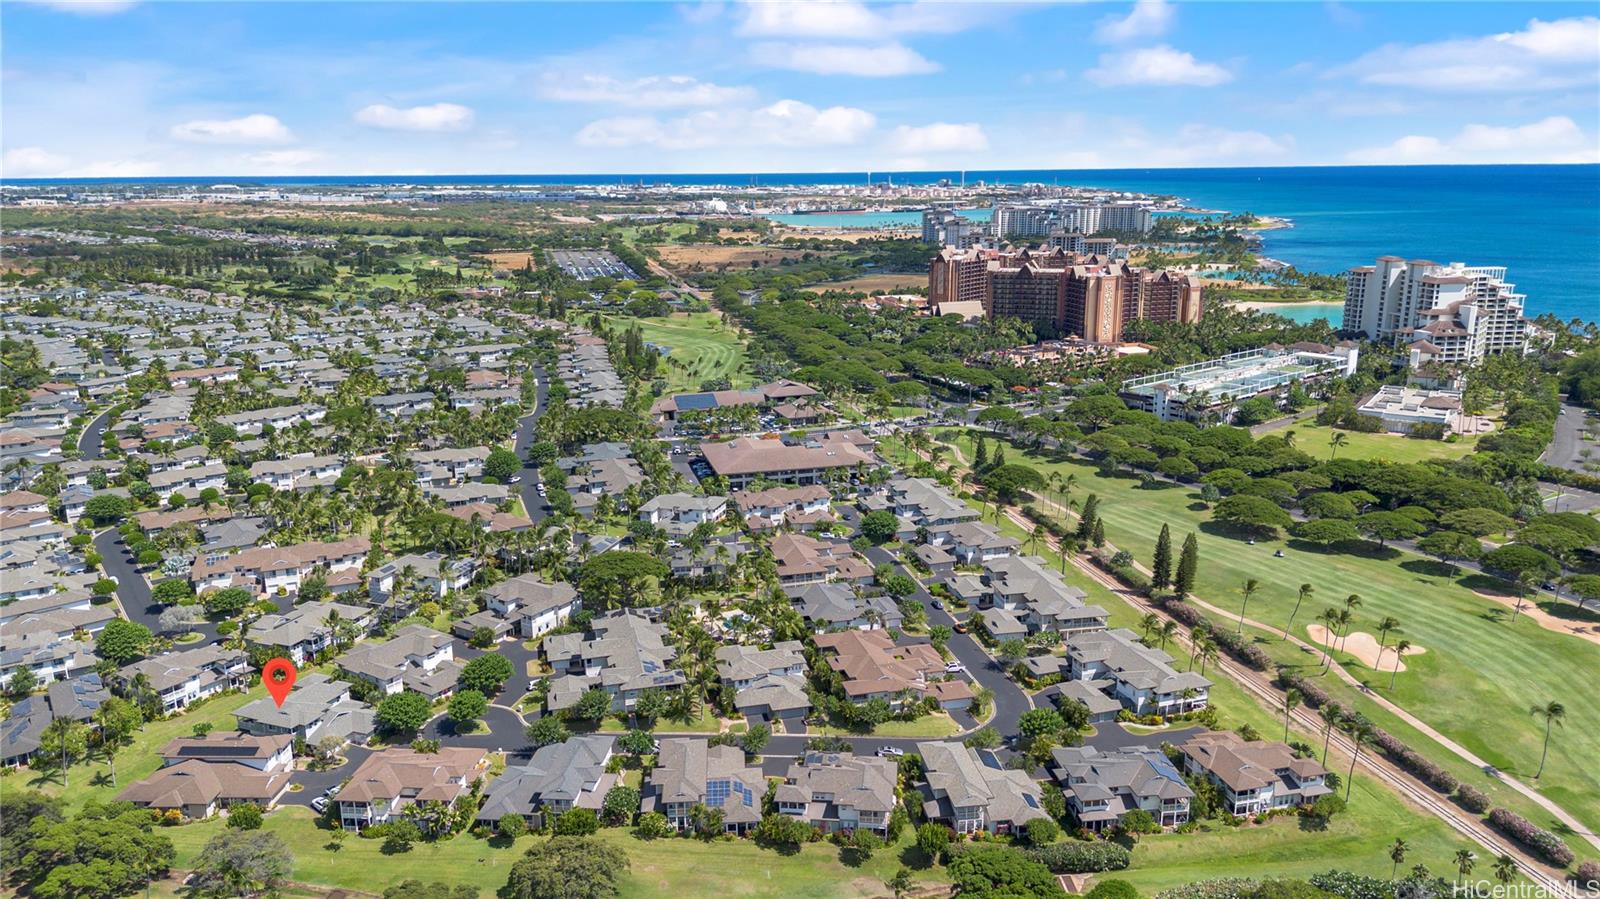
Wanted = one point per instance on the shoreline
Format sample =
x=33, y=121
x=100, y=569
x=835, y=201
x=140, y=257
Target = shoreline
x=1269, y=305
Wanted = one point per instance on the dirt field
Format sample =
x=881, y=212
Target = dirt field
x=783, y=231
x=875, y=284
x=511, y=259
x=687, y=256
x=1364, y=647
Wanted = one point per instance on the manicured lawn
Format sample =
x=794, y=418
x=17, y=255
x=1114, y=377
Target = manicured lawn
x=1480, y=673
x=706, y=722
x=702, y=348
x=932, y=726
x=141, y=759
x=1312, y=438
x=667, y=868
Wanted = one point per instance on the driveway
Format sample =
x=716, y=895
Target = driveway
x=501, y=730
x=516, y=653
x=315, y=782
x=1112, y=736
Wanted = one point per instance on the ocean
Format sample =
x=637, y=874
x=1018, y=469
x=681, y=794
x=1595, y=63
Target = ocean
x=1542, y=222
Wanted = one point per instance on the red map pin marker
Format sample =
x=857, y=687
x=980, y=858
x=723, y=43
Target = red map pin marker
x=278, y=675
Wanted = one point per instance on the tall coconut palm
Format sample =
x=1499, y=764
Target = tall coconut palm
x=1291, y=701
x=1332, y=713
x=1351, y=603
x=1337, y=440
x=1306, y=590
x=1401, y=647
x=1330, y=620
x=1465, y=860
x=1552, y=713
x=1168, y=631
x=1389, y=625
x=1248, y=589
x=1360, y=731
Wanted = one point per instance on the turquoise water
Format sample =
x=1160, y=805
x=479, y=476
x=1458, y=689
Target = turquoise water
x=870, y=219
x=1306, y=313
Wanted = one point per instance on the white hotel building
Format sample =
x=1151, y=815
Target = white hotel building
x=1452, y=314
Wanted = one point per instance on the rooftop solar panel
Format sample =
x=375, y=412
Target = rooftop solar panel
x=691, y=401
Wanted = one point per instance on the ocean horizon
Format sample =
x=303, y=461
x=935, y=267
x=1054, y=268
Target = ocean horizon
x=1542, y=222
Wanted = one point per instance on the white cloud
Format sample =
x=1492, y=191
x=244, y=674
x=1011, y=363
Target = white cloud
x=259, y=128
x=1554, y=139
x=788, y=123
x=282, y=159
x=88, y=7
x=857, y=21
x=881, y=61
x=1148, y=18
x=436, y=117
x=1544, y=56
x=939, y=137
x=1156, y=66
x=32, y=162
x=653, y=92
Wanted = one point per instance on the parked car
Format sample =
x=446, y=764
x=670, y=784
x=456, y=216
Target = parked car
x=952, y=667
x=938, y=604
x=516, y=479
x=331, y=790
x=891, y=751
x=533, y=684
x=319, y=804
x=961, y=627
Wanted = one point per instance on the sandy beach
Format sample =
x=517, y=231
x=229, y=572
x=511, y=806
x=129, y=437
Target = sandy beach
x=1279, y=307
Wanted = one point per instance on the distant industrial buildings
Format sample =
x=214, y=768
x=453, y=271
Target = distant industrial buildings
x=1454, y=314
x=1210, y=391
x=1061, y=294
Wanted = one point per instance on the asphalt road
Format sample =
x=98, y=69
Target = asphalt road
x=529, y=487
x=133, y=591
x=89, y=440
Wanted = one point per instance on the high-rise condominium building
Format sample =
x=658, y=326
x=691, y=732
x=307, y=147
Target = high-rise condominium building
x=1023, y=221
x=1063, y=294
x=1452, y=314
x=1095, y=218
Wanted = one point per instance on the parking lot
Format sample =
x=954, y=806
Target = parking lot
x=586, y=265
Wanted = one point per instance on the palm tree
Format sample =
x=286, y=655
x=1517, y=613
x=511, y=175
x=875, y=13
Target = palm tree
x=1291, y=701
x=332, y=621
x=1208, y=654
x=1360, y=730
x=1334, y=442
x=1148, y=623
x=1249, y=589
x=1551, y=713
x=1389, y=625
x=1505, y=869
x=1332, y=714
x=1401, y=647
x=1465, y=859
x=1168, y=631
x=1397, y=854
x=1305, y=593
x=1330, y=621
x=1351, y=603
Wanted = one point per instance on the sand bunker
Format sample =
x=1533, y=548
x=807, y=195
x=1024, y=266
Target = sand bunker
x=1583, y=629
x=1364, y=647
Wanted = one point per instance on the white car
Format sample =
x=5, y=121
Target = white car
x=516, y=479
x=319, y=804
x=891, y=751
x=952, y=667
x=533, y=685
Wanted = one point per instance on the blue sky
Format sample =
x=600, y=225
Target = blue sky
x=170, y=88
